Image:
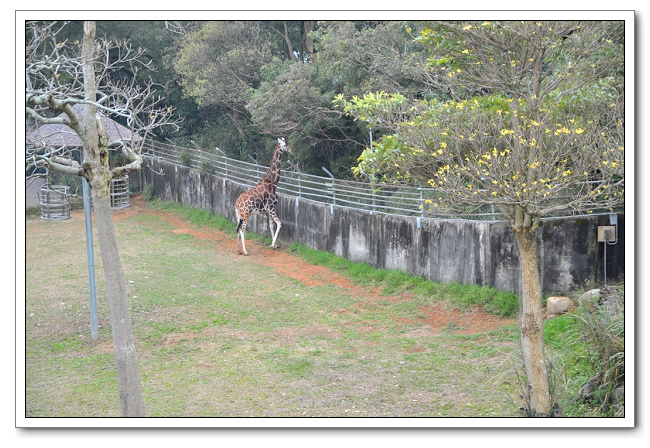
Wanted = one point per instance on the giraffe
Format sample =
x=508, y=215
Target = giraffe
x=261, y=199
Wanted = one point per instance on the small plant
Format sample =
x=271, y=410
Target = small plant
x=205, y=167
x=512, y=366
x=185, y=158
x=148, y=193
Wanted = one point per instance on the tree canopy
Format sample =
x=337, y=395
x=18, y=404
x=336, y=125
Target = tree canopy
x=241, y=84
x=537, y=128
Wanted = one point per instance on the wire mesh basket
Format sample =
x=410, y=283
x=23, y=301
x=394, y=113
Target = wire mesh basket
x=120, y=192
x=55, y=202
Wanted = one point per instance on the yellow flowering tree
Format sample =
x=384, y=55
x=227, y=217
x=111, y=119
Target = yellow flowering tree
x=535, y=128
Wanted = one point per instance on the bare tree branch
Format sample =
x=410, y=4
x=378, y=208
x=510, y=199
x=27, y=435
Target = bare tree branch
x=49, y=63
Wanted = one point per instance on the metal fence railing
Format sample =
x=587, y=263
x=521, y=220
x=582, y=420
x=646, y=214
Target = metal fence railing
x=402, y=200
x=380, y=198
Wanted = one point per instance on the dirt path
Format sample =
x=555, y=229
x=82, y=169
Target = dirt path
x=437, y=317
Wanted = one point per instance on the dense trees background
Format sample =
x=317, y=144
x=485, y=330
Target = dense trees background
x=240, y=85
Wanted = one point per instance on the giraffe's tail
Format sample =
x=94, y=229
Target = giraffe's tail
x=239, y=224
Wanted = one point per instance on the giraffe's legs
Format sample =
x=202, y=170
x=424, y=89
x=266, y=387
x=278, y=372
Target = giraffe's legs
x=274, y=217
x=271, y=225
x=241, y=228
x=243, y=244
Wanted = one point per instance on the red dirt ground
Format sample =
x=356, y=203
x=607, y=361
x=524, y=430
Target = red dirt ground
x=437, y=317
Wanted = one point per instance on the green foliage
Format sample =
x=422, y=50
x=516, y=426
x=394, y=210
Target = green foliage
x=600, y=329
x=196, y=215
x=205, y=167
x=585, y=352
x=263, y=90
x=185, y=158
x=148, y=193
x=394, y=282
x=236, y=82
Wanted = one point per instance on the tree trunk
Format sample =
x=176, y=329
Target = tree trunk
x=97, y=172
x=309, y=41
x=531, y=323
x=126, y=361
x=287, y=39
x=234, y=116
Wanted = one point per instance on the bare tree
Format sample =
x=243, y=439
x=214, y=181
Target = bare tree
x=60, y=76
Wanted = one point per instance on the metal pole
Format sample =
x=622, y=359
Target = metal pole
x=333, y=186
x=91, y=260
x=605, y=262
x=299, y=179
x=225, y=162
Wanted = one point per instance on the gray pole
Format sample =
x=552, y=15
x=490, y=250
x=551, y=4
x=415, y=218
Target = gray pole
x=333, y=190
x=91, y=260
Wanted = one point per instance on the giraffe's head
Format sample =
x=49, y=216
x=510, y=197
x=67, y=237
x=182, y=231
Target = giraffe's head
x=282, y=147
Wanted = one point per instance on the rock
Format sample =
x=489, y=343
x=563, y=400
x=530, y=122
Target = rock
x=587, y=390
x=619, y=395
x=557, y=305
x=612, y=301
x=589, y=296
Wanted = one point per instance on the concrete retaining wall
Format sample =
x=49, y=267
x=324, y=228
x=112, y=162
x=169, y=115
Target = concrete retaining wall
x=481, y=253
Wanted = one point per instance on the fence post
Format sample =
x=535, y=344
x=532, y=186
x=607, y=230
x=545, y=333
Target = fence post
x=299, y=178
x=257, y=167
x=421, y=203
x=225, y=162
x=333, y=186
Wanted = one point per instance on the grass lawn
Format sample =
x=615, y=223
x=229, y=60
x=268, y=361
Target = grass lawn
x=268, y=335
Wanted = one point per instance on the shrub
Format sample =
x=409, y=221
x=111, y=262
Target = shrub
x=185, y=158
x=601, y=328
x=205, y=167
x=148, y=193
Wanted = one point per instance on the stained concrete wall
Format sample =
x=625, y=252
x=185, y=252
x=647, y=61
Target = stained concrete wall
x=481, y=253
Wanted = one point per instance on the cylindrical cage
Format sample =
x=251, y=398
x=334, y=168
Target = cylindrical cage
x=120, y=192
x=55, y=202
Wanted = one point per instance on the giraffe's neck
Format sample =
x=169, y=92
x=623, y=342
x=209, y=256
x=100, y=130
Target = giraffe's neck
x=273, y=174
